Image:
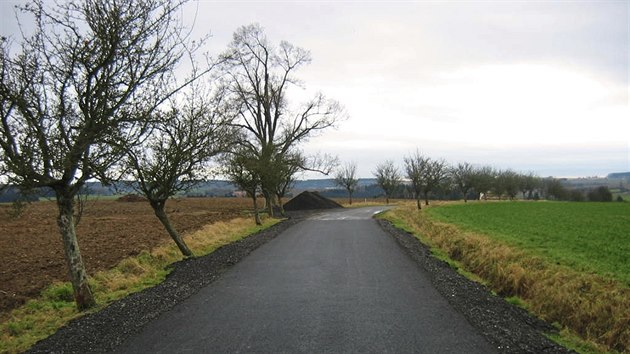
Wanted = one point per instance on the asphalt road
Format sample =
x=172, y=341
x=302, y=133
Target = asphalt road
x=334, y=283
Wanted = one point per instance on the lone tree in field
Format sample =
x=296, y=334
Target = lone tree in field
x=182, y=142
x=462, y=177
x=258, y=76
x=346, y=177
x=388, y=178
x=78, y=93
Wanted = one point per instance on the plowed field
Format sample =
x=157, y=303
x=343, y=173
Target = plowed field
x=109, y=230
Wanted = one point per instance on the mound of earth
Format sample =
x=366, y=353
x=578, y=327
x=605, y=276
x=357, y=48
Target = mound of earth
x=310, y=201
x=132, y=198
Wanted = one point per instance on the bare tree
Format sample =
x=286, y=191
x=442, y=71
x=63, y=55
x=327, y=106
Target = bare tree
x=483, y=180
x=286, y=167
x=78, y=93
x=528, y=184
x=507, y=182
x=174, y=156
x=346, y=177
x=436, y=174
x=425, y=174
x=242, y=170
x=258, y=76
x=388, y=178
x=462, y=176
x=416, y=167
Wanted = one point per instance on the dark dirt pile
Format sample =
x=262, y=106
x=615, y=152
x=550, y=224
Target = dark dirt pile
x=310, y=201
x=132, y=198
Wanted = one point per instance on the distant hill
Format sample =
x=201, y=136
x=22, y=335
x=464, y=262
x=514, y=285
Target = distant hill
x=212, y=188
x=619, y=175
x=367, y=188
x=327, y=183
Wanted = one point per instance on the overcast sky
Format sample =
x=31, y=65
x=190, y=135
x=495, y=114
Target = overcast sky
x=536, y=86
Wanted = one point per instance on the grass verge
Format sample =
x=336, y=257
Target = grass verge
x=41, y=317
x=585, y=305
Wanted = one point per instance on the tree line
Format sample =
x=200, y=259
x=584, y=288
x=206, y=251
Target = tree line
x=423, y=178
x=120, y=91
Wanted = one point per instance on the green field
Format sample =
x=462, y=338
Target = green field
x=593, y=237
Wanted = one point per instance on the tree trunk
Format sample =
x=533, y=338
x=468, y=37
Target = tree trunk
x=426, y=198
x=280, y=206
x=269, y=203
x=350, y=197
x=78, y=276
x=158, y=208
x=418, y=203
x=256, y=214
x=386, y=199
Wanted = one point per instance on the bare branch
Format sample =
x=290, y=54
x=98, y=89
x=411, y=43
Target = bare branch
x=258, y=77
x=346, y=177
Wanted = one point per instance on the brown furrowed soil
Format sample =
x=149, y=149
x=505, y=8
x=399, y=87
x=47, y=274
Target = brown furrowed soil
x=109, y=231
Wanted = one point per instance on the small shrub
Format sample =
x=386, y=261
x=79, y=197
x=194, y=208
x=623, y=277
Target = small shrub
x=600, y=194
x=17, y=208
x=59, y=292
x=575, y=195
x=17, y=328
x=131, y=266
x=620, y=198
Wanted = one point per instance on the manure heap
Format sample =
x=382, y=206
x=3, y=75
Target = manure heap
x=309, y=201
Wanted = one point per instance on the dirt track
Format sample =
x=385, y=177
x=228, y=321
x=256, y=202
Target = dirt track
x=30, y=246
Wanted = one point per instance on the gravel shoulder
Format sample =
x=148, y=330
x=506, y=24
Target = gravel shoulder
x=508, y=328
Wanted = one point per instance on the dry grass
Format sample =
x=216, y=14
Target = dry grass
x=591, y=306
x=41, y=317
x=364, y=202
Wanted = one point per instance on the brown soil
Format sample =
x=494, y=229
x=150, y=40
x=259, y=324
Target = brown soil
x=109, y=231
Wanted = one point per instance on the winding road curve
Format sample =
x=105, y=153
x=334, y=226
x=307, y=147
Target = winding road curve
x=333, y=283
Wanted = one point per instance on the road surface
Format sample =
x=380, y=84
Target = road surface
x=333, y=283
